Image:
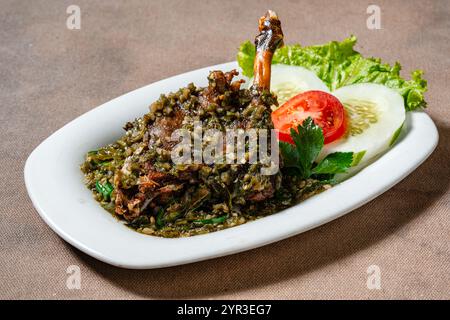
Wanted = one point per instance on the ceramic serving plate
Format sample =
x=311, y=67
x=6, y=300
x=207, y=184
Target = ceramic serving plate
x=55, y=185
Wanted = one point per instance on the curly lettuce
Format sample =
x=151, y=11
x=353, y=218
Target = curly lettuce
x=338, y=65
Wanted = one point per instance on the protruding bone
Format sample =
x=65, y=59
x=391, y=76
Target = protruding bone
x=269, y=39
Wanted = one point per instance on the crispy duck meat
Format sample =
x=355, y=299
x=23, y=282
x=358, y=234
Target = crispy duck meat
x=155, y=188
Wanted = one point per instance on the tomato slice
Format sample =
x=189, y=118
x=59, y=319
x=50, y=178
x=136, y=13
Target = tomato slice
x=325, y=109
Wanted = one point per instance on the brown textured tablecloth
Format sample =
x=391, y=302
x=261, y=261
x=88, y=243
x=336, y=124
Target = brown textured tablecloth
x=50, y=75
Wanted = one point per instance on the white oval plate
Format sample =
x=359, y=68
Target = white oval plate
x=55, y=185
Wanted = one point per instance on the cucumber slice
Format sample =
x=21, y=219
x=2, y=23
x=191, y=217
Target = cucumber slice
x=287, y=81
x=375, y=115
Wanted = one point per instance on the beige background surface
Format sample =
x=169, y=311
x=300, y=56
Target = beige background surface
x=49, y=75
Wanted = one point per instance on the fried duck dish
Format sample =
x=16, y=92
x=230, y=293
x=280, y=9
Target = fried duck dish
x=136, y=179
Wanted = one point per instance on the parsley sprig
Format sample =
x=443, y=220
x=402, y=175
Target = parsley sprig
x=299, y=158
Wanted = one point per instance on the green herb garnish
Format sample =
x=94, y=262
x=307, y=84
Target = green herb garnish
x=160, y=219
x=300, y=158
x=220, y=219
x=104, y=189
x=333, y=163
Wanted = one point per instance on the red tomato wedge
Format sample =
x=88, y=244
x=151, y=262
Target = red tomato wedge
x=325, y=109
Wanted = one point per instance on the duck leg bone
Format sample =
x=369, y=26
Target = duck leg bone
x=269, y=39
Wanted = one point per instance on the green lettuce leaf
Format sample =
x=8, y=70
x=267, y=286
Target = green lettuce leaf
x=245, y=57
x=338, y=65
